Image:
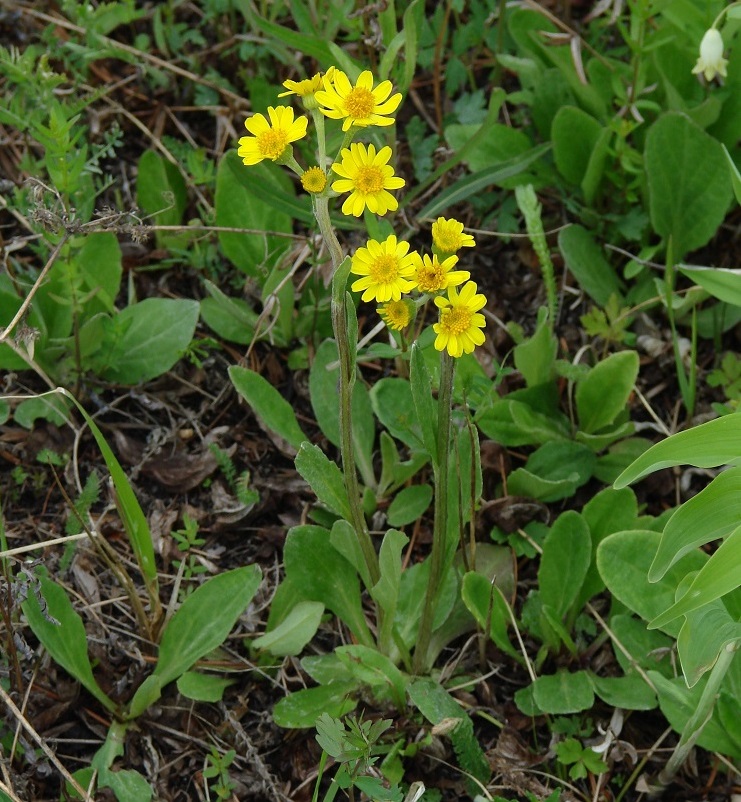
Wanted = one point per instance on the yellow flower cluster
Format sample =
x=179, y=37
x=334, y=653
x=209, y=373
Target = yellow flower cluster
x=388, y=271
x=361, y=170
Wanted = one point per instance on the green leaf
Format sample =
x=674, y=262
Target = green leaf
x=393, y=405
x=563, y=692
x=99, y=267
x=231, y=318
x=553, y=472
x=678, y=703
x=246, y=198
x=437, y=705
x=409, y=504
x=603, y=393
x=345, y=540
x=574, y=134
x=386, y=591
x=203, y=687
x=146, y=339
x=294, y=632
x=688, y=182
x=648, y=648
x=301, y=710
x=535, y=357
x=704, y=634
x=723, y=283
x=735, y=174
x=201, y=623
x=371, y=668
x=716, y=442
x=66, y=641
x=485, y=603
x=713, y=513
x=268, y=404
x=469, y=186
x=322, y=574
x=324, y=478
x=563, y=566
x=515, y=423
x=623, y=560
x=586, y=262
x=132, y=515
x=127, y=784
x=721, y=574
x=630, y=692
x=162, y=194
x=424, y=405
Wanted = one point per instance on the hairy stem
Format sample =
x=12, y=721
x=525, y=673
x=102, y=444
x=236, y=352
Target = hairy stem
x=439, y=535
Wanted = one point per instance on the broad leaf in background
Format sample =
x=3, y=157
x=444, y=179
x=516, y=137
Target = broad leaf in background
x=603, y=393
x=586, y=262
x=688, y=182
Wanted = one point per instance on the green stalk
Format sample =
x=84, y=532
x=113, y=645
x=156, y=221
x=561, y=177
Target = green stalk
x=440, y=527
x=347, y=379
x=694, y=726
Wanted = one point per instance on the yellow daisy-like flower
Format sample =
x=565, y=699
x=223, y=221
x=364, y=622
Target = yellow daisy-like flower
x=386, y=269
x=270, y=140
x=432, y=275
x=308, y=86
x=314, y=179
x=359, y=105
x=459, y=329
x=366, y=175
x=448, y=236
x=396, y=315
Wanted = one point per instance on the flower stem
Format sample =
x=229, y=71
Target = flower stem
x=440, y=527
x=347, y=379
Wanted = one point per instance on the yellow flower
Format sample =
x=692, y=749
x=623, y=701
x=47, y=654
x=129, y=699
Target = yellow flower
x=366, y=175
x=711, y=61
x=432, y=275
x=396, y=315
x=386, y=269
x=270, y=140
x=448, y=236
x=459, y=329
x=314, y=179
x=359, y=105
x=308, y=86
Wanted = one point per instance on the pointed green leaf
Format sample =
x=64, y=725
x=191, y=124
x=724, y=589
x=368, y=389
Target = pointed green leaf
x=324, y=478
x=603, y=393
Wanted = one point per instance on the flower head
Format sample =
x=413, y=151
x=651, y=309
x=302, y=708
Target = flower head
x=314, y=179
x=448, y=236
x=459, y=329
x=711, y=61
x=270, y=140
x=308, y=86
x=396, y=315
x=359, y=105
x=386, y=269
x=432, y=275
x=366, y=175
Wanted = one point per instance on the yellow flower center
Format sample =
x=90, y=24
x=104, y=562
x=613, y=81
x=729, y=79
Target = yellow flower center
x=456, y=320
x=314, y=180
x=431, y=278
x=360, y=103
x=448, y=241
x=369, y=180
x=272, y=143
x=385, y=268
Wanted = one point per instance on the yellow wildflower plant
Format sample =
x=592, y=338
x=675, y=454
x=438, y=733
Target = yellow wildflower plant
x=448, y=236
x=271, y=140
x=386, y=269
x=314, y=180
x=711, y=61
x=397, y=315
x=431, y=275
x=367, y=176
x=459, y=328
x=359, y=105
